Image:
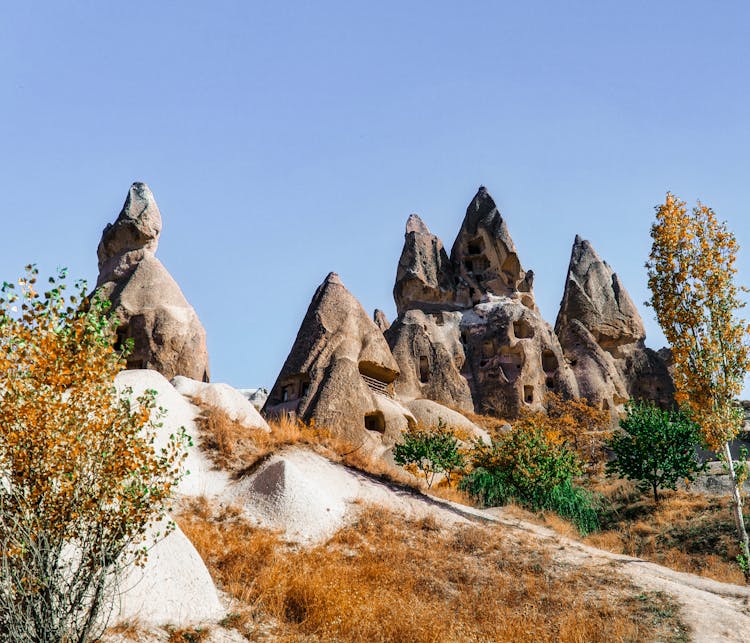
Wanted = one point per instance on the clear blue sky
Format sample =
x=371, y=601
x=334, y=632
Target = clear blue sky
x=285, y=140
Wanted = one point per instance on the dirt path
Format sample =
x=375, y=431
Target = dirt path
x=715, y=611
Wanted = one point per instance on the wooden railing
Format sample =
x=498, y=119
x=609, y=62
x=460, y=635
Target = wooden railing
x=377, y=386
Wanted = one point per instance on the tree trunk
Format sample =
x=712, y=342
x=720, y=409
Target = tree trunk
x=738, y=517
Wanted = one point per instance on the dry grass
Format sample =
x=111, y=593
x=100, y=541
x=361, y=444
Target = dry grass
x=130, y=630
x=187, y=634
x=687, y=531
x=386, y=578
x=489, y=423
x=238, y=449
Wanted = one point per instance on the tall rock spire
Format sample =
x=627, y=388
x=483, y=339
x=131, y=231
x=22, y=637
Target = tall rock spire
x=602, y=336
x=484, y=255
x=149, y=305
x=424, y=277
x=595, y=296
x=340, y=372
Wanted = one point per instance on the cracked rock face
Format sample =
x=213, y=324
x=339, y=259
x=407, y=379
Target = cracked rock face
x=152, y=310
x=602, y=335
x=340, y=372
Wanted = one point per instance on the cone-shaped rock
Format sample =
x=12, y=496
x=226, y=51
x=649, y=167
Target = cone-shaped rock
x=484, y=255
x=340, y=372
x=167, y=334
x=487, y=349
x=595, y=297
x=380, y=319
x=602, y=335
x=424, y=278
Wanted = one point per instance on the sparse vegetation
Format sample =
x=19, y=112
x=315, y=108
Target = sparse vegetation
x=528, y=467
x=239, y=449
x=431, y=451
x=386, y=578
x=687, y=531
x=80, y=480
x=576, y=423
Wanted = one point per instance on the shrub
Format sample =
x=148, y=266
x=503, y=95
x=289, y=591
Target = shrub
x=527, y=466
x=80, y=481
x=656, y=448
x=583, y=427
x=431, y=451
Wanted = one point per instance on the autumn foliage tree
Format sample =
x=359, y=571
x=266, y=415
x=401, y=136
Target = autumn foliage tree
x=575, y=422
x=691, y=272
x=80, y=479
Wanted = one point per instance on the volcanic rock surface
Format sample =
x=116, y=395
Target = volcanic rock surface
x=602, y=335
x=168, y=336
x=340, y=372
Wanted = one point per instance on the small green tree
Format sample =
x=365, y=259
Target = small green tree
x=656, y=448
x=431, y=451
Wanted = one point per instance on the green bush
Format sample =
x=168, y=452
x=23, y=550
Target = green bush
x=527, y=466
x=656, y=448
x=431, y=451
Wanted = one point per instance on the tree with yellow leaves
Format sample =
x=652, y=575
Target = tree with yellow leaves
x=80, y=479
x=691, y=276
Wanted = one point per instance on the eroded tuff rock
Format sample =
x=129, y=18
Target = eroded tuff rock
x=381, y=321
x=602, y=336
x=484, y=256
x=424, y=278
x=430, y=355
x=340, y=372
x=167, y=334
x=476, y=342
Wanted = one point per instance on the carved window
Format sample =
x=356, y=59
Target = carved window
x=424, y=369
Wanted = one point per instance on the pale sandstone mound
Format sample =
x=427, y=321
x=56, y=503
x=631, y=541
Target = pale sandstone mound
x=340, y=372
x=173, y=587
x=309, y=498
x=432, y=414
x=167, y=334
x=224, y=397
x=203, y=478
x=602, y=335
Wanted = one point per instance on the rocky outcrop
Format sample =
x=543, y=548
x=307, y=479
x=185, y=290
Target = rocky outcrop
x=340, y=372
x=513, y=358
x=381, y=321
x=431, y=357
x=424, y=278
x=469, y=334
x=602, y=335
x=152, y=310
x=484, y=256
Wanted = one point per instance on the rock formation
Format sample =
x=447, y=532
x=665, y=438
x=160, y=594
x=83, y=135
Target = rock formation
x=424, y=277
x=340, y=372
x=484, y=256
x=167, y=334
x=381, y=321
x=603, y=336
x=469, y=334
